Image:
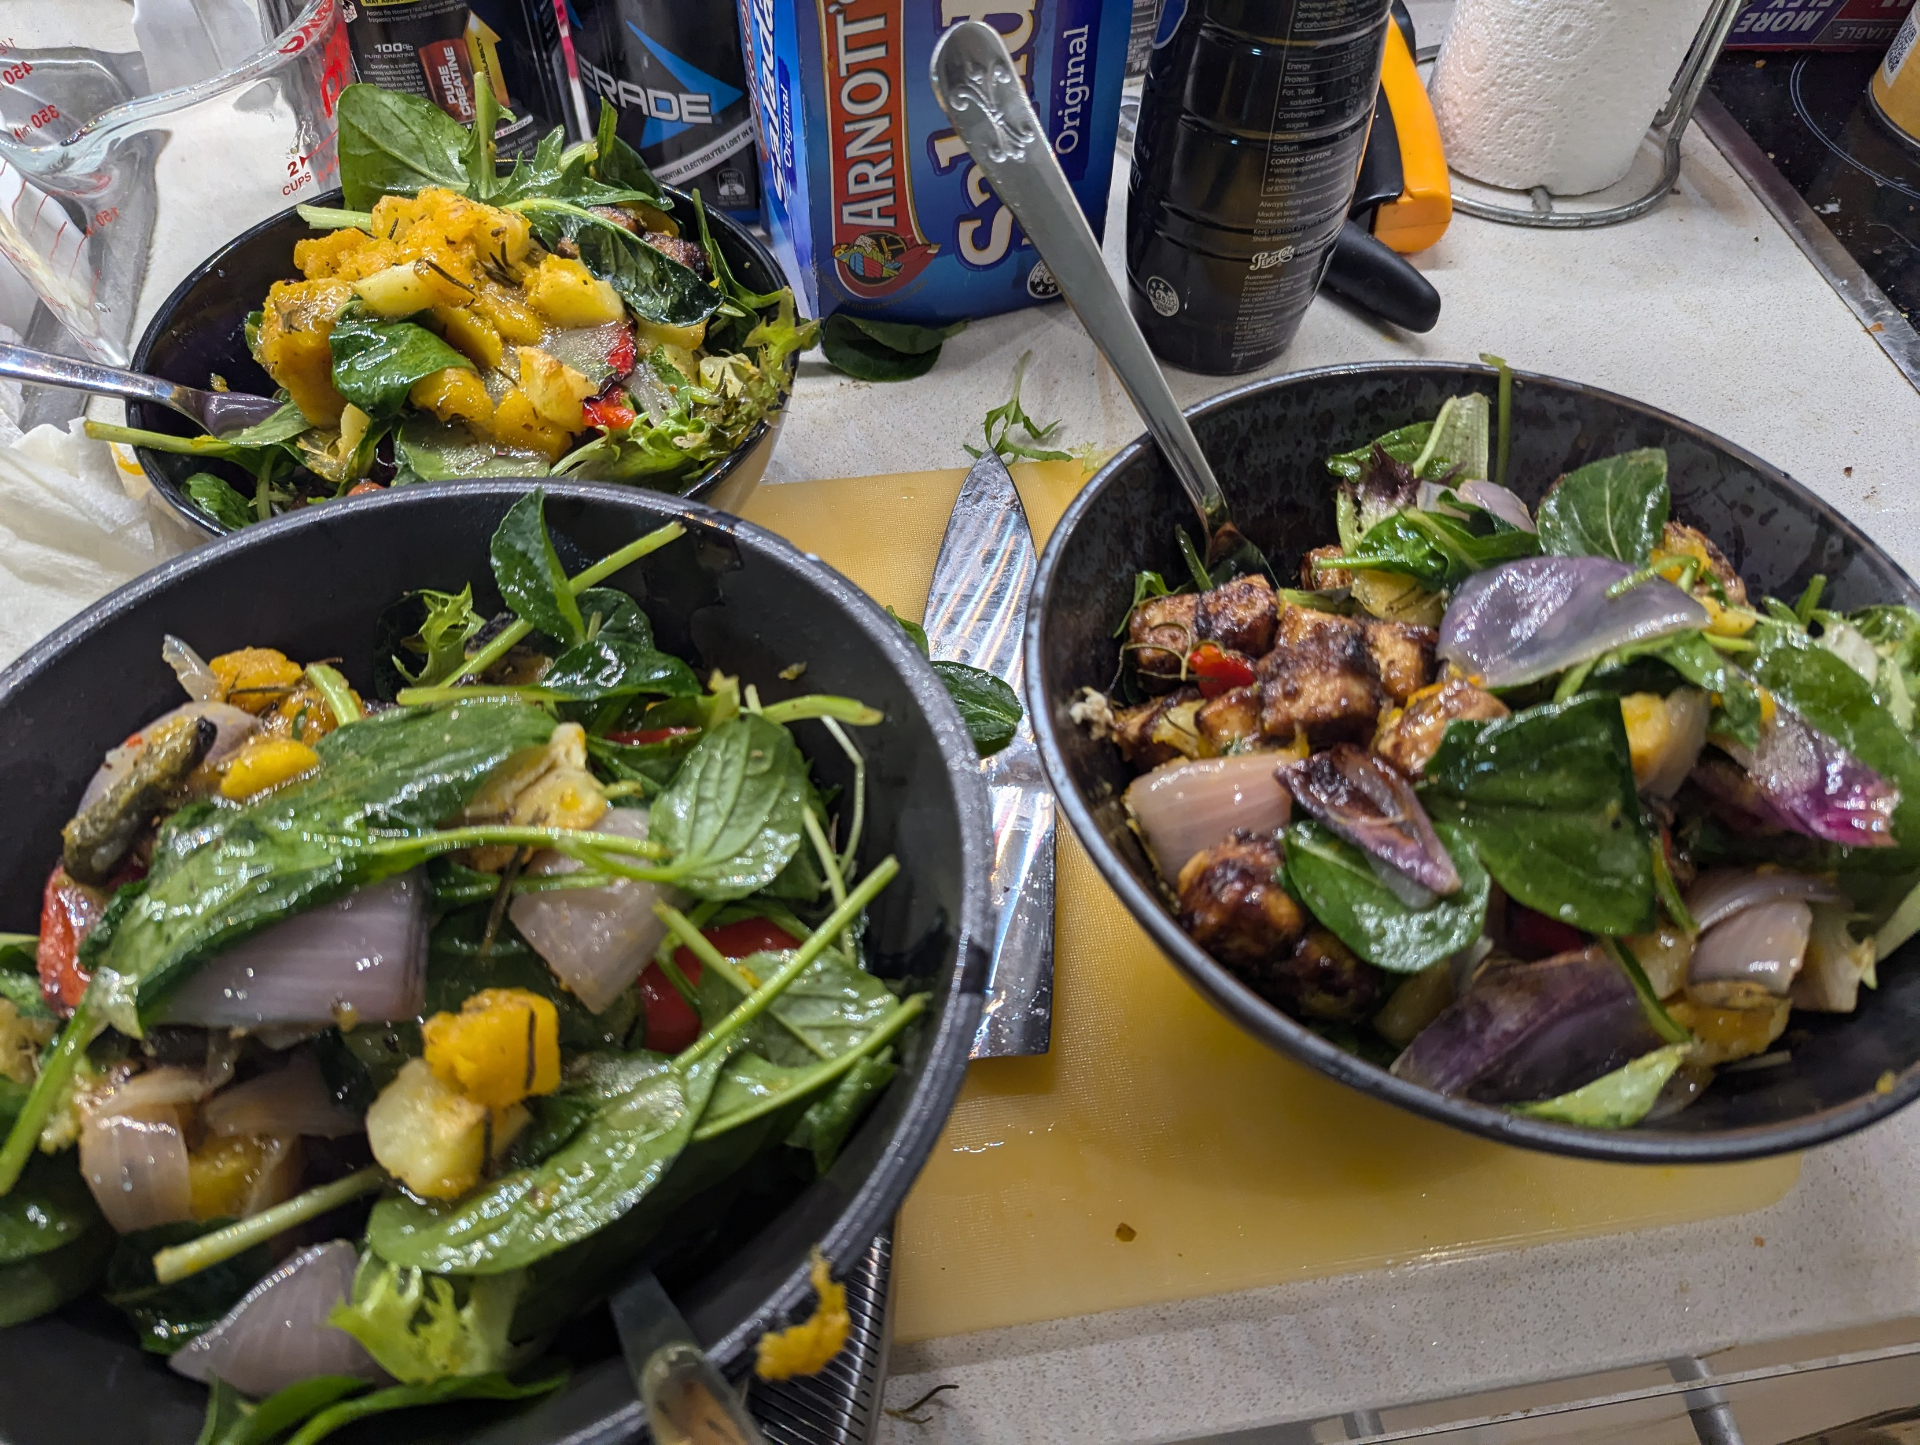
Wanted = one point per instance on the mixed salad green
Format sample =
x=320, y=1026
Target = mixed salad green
x=1535, y=806
x=365, y=1041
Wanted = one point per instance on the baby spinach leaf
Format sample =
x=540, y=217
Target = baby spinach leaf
x=652, y=283
x=651, y=764
x=919, y=633
x=219, y=500
x=283, y=426
x=830, y=1121
x=870, y=350
x=220, y=874
x=20, y=976
x=375, y=362
x=43, y=1282
x=826, y=1011
x=1436, y=550
x=735, y=290
x=732, y=815
x=1839, y=702
x=989, y=708
x=429, y=450
x=231, y=1420
x=1615, y=507
x=1689, y=654
x=1618, y=1100
x=597, y=1176
x=393, y=144
x=1546, y=797
x=48, y=1208
x=1339, y=886
x=167, y=1316
x=616, y=657
x=410, y=1397
x=1403, y=444
x=619, y=164
x=528, y=572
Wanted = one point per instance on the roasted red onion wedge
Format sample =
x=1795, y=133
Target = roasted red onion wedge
x=1525, y=620
x=1719, y=893
x=1753, y=957
x=1489, y=497
x=1366, y=801
x=1528, y=1031
x=1816, y=786
x=278, y=1334
x=359, y=958
x=1186, y=807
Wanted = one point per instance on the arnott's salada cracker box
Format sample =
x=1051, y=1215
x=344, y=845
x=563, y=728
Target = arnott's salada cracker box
x=872, y=201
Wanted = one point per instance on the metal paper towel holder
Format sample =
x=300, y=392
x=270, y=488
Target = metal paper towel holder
x=1674, y=117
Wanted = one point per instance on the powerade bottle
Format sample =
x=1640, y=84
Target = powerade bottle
x=674, y=71
x=1252, y=125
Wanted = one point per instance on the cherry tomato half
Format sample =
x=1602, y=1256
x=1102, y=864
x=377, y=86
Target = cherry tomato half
x=672, y=1023
x=1534, y=935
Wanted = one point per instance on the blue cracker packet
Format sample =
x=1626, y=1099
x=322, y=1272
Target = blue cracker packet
x=872, y=201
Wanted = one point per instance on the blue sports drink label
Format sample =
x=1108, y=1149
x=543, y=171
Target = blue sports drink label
x=873, y=203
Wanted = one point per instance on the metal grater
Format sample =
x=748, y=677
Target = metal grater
x=841, y=1404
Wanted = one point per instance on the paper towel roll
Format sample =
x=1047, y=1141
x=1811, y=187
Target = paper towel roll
x=1556, y=93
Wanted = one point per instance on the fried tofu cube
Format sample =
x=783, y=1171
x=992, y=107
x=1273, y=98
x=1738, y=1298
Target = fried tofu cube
x=1141, y=733
x=1409, y=736
x=1319, y=677
x=1230, y=720
x=1162, y=631
x=1239, y=615
x=1402, y=656
x=502, y=1047
x=1232, y=903
x=571, y=296
x=427, y=1134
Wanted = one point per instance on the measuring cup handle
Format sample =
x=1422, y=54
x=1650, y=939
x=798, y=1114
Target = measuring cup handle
x=23, y=363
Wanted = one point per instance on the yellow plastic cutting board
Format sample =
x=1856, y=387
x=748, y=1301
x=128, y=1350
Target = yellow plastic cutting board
x=1158, y=1153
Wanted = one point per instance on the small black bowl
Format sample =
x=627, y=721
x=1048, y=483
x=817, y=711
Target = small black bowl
x=1269, y=443
x=729, y=596
x=200, y=332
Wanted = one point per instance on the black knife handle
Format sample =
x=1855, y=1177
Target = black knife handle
x=1373, y=275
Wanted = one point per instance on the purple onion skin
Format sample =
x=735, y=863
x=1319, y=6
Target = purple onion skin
x=1525, y=620
x=1364, y=799
x=1528, y=1031
x=1489, y=497
x=1817, y=787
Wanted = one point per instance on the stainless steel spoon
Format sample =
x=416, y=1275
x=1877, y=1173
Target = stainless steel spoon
x=220, y=412
x=975, y=83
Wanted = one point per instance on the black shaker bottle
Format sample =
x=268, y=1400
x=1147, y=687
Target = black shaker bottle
x=1252, y=125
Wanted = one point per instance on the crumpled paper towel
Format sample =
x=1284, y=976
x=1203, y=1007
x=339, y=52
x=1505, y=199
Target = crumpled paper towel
x=1556, y=93
x=75, y=523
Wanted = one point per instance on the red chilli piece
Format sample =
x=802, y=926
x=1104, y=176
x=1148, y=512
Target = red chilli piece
x=1532, y=934
x=607, y=412
x=1218, y=670
x=68, y=912
x=622, y=355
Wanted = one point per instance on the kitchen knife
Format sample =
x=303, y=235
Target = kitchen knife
x=688, y=1401
x=977, y=614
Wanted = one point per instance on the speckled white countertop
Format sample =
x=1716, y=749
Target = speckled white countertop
x=1706, y=308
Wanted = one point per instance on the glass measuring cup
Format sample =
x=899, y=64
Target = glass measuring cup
x=110, y=195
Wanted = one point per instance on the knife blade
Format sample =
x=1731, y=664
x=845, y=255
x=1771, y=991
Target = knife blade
x=687, y=1400
x=977, y=614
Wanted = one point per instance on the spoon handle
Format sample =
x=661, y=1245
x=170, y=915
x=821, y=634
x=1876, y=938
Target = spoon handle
x=974, y=81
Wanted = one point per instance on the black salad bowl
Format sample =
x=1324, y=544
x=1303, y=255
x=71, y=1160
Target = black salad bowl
x=728, y=596
x=1268, y=443
x=199, y=333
